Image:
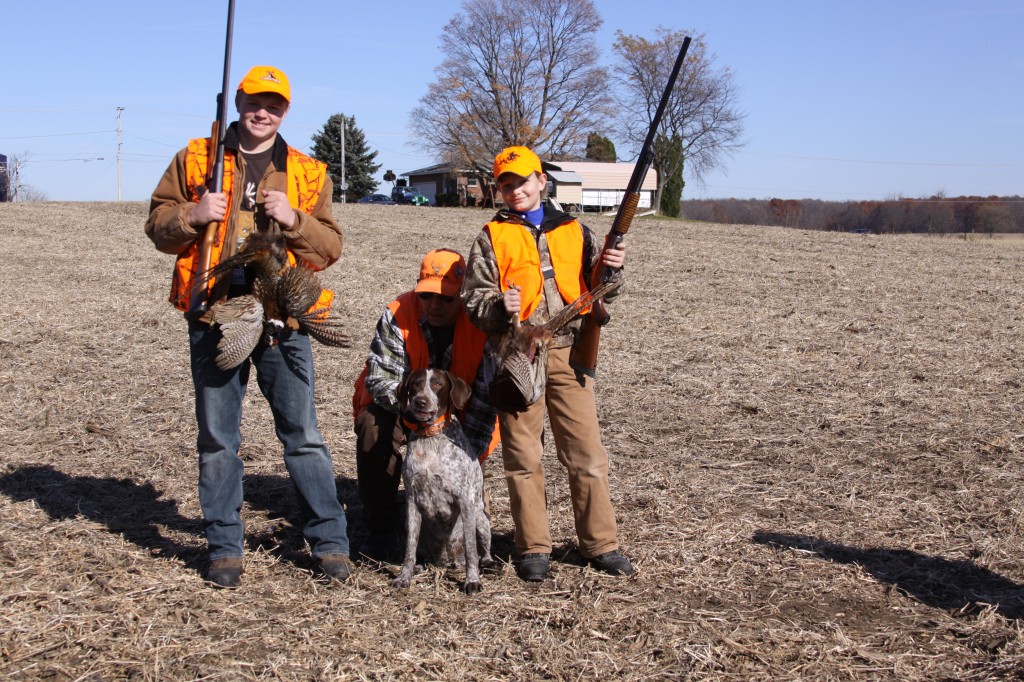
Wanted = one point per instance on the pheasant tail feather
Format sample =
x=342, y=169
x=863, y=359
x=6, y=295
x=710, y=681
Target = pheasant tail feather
x=324, y=328
x=241, y=324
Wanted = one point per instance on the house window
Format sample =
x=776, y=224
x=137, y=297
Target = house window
x=471, y=182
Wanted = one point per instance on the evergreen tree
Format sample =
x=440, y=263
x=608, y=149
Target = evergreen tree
x=359, y=165
x=672, y=192
x=600, y=148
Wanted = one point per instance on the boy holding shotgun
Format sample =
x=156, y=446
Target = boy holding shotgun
x=265, y=182
x=530, y=261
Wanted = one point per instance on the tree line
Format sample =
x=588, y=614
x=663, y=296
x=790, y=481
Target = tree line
x=937, y=214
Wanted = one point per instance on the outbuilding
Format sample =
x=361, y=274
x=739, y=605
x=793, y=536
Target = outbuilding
x=597, y=186
x=576, y=185
x=458, y=186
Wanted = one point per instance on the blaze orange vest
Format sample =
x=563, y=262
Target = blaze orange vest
x=518, y=260
x=306, y=177
x=467, y=352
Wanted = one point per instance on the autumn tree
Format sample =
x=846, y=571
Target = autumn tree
x=515, y=72
x=701, y=112
x=359, y=165
x=600, y=148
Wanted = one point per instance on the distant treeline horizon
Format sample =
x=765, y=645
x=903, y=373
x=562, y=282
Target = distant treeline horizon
x=936, y=214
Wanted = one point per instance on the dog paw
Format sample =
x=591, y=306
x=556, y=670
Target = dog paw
x=401, y=583
x=473, y=587
x=486, y=561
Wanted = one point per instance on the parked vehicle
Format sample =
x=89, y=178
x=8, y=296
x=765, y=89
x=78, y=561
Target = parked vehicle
x=409, y=195
x=376, y=199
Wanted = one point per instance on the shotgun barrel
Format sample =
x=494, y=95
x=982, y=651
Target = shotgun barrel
x=583, y=357
x=215, y=178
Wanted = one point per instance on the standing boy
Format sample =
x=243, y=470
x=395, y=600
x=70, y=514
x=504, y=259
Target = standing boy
x=530, y=261
x=265, y=182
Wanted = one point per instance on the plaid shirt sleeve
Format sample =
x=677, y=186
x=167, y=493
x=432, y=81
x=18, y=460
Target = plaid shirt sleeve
x=386, y=362
x=478, y=423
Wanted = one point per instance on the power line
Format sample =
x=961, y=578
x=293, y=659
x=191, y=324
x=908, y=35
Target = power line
x=34, y=162
x=146, y=139
x=169, y=113
x=37, y=111
x=29, y=137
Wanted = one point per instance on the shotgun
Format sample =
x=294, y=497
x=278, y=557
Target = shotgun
x=583, y=357
x=215, y=177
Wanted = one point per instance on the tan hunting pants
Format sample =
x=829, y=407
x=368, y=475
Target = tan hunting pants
x=573, y=413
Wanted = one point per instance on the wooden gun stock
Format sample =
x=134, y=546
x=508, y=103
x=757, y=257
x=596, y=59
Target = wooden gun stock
x=583, y=357
x=198, y=302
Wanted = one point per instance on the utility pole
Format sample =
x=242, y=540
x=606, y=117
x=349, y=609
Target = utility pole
x=344, y=185
x=119, y=110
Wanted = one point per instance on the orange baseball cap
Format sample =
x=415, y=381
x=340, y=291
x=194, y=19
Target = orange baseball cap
x=442, y=272
x=266, y=79
x=519, y=160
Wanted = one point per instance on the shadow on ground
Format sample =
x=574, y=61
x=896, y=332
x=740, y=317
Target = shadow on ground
x=958, y=586
x=130, y=509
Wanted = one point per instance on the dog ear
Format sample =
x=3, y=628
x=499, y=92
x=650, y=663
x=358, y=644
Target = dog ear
x=402, y=392
x=459, y=395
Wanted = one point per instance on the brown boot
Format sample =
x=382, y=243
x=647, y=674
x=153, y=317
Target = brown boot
x=336, y=566
x=225, y=573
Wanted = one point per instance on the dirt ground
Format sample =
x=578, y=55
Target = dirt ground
x=815, y=443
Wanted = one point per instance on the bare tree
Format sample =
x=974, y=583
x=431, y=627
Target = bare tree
x=17, y=190
x=701, y=113
x=516, y=72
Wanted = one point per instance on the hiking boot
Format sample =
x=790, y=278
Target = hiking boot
x=612, y=563
x=335, y=566
x=225, y=573
x=533, y=568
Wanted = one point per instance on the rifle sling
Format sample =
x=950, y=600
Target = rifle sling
x=552, y=297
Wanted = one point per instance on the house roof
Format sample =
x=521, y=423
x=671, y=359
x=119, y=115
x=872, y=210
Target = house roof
x=565, y=177
x=430, y=170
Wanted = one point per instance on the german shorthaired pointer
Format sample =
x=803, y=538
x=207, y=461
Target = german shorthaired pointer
x=444, y=483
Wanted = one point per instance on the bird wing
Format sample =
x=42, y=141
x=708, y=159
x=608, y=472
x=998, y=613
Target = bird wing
x=297, y=294
x=297, y=291
x=240, y=321
x=586, y=299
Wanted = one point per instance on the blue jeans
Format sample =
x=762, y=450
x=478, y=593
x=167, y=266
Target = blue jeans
x=284, y=374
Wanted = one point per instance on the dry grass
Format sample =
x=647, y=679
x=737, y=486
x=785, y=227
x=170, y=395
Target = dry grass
x=816, y=461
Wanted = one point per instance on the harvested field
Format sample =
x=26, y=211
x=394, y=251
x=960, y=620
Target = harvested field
x=816, y=449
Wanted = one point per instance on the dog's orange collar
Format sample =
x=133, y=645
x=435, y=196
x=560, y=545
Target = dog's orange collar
x=426, y=430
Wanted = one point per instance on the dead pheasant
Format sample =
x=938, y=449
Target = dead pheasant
x=523, y=354
x=280, y=291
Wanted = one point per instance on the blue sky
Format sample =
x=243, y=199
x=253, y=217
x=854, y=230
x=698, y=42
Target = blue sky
x=866, y=100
